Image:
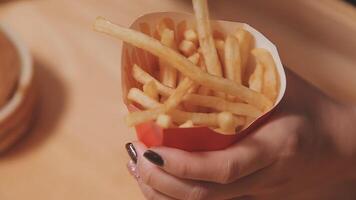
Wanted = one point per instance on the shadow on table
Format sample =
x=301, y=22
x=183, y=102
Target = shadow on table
x=51, y=102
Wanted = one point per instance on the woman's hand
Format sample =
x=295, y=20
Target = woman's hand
x=305, y=151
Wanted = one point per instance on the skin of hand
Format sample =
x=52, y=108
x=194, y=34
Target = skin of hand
x=306, y=150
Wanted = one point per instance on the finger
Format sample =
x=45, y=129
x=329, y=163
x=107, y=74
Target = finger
x=169, y=185
x=249, y=186
x=244, y=198
x=225, y=166
x=152, y=194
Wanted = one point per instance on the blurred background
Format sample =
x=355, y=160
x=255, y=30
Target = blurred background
x=75, y=147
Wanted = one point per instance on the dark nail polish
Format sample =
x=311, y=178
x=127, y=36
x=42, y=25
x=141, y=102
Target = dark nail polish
x=132, y=152
x=154, y=158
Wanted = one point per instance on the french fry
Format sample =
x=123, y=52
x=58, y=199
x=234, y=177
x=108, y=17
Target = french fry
x=192, y=36
x=182, y=64
x=222, y=105
x=270, y=78
x=181, y=27
x=195, y=58
x=187, y=124
x=150, y=89
x=139, y=117
x=256, y=79
x=172, y=102
x=246, y=40
x=164, y=121
x=228, y=122
x=165, y=23
x=232, y=59
x=143, y=77
x=143, y=99
x=178, y=116
x=187, y=47
x=206, y=40
x=202, y=89
x=200, y=100
x=220, y=47
x=178, y=94
x=168, y=73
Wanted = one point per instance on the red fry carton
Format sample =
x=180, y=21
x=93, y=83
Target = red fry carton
x=196, y=138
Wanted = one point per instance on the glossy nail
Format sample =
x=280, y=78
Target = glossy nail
x=132, y=152
x=154, y=158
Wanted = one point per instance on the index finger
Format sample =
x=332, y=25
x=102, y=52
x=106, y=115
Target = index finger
x=220, y=166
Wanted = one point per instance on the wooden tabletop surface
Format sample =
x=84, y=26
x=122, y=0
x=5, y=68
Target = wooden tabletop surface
x=76, y=147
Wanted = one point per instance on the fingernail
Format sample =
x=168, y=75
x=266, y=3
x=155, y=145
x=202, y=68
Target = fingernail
x=131, y=166
x=154, y=158
x=132, y=152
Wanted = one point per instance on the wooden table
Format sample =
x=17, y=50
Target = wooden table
x=76, y=147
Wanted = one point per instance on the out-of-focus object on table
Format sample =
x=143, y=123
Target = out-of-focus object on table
x=16, y=89
x=76, y=148
x=9, y=68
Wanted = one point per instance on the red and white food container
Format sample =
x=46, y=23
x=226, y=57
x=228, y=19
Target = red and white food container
x=196, y=138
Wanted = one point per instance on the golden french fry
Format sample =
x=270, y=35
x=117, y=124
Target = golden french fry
x=139, y=117
x=187, y=47
x=172, y=102
x=165, y=23
x=143, y=99
x=206, y=101
x=200, y=100
x=168, y=73
x=182, y=64
x=202, y=89
x=178, y=116
x=195, y=58
x=187, y=124
x=143, y=77
x=220, y=47
x=178, y=94
x=232, y=59
x=228, y=122
x=192, y=36
x=164, y=121
x=150, y=89
x=270, y=78
x=206, y=39
x=181, y=27
x=256, y=79
x=222, y=105
x=246, y=40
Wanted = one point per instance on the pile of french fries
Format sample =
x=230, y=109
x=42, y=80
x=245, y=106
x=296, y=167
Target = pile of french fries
x=203, y=78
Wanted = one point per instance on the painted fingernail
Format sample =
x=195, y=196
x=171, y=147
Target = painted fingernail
x=154, y=158
x=132, y=152
x=131, y=166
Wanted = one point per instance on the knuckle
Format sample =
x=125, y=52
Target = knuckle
x=198, y=192
x=147, y=176
x=228, y=172
x=290, y=148
x=182, y=170
x=151, y=195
